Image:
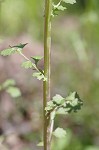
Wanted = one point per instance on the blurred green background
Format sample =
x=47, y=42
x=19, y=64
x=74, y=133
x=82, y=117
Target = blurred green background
x=75, y=67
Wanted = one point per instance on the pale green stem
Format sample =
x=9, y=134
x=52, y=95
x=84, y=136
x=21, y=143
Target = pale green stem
x=51, y=130
x=59, y=3
x=46, y=84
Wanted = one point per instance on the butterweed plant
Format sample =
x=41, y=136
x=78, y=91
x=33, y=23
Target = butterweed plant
x=57, y=104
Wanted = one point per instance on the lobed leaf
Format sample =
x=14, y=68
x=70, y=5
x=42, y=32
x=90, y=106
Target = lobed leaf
x=8, y=52
x=27, y=64
x=58, y=99
x=56, y=9
x=39, y=76
x=73, y=102
x=64, y=105
x=60, y=7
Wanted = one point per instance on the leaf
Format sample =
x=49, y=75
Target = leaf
x=40, y=144
x=74, y=102
x=61, y=8
x=50, y=106
x=56, y=9
x=9, y=82
x=58, y=99
x=14, y=92
x=21, y=46
x=71, y=96
x=8, y=52
x=39, y=76
x=27, y=64
x=69, y=1
x=60, y=133
x=61, y=111
x=64, y=105
x=37, y=58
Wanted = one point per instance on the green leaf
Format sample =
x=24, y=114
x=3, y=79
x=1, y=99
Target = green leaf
x=14, y=92
x=9, y=82
x=61, y=111
x=21, y=46
x=8, y=52
x=58, y=99
x=60, y=133
x=39, y=76
x=61, y=8
x=63, y=105
x=37, y=59
x=72, y=96
x=50, y=106
x=69, y=1
x=56, y=9
x=27, y=64
x=74, y=102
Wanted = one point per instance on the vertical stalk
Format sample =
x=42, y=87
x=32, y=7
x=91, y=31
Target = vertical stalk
x=47, y=54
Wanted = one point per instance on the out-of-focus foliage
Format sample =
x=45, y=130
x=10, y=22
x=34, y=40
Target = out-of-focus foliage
x=10, y=87
x=21, y=15
x=82, y=73
x=75, y=66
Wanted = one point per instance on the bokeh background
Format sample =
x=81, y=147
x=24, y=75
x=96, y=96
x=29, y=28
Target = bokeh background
x=75, y=67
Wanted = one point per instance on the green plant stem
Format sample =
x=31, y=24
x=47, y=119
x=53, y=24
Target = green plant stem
x=51, y=130
x=47, y=53
x=59, y=3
